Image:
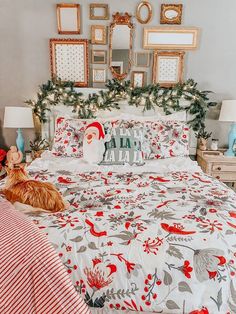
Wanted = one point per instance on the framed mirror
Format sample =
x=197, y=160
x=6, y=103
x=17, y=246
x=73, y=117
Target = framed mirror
x=144, y=12
x=120, y=45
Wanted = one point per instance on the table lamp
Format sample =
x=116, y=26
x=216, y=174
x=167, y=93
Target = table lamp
x=228, y=114
x=18, y=118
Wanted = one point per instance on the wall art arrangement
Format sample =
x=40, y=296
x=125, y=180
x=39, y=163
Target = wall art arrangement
x=112, y=44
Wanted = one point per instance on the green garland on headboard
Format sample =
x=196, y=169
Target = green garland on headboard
x=56, y=92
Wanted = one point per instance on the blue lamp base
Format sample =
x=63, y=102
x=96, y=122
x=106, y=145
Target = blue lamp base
x=20, y=143
x=232, y=138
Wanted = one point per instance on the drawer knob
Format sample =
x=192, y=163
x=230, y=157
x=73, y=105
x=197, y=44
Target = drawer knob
x=218, y=177
x=219, y=168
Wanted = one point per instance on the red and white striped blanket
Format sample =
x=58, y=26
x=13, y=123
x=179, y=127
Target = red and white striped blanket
x=32, y=278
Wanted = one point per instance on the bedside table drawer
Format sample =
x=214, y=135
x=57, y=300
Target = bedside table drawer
x=223, y=167
x=224, y=176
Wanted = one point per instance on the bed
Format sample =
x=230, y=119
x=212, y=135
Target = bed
x=156, y=238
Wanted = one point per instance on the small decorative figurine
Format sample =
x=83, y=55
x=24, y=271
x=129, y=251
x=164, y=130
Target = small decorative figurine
x=14, y=157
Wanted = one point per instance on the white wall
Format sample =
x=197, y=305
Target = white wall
x=27, y=25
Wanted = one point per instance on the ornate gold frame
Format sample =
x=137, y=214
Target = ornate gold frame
x=143, y=77
x=138, y=12
x=65, y=6
x=84, y=42
x=168, y=30
x=104, y=35
x=119, y=19
x=177, y=54
x=177, y=8
x=93, y=6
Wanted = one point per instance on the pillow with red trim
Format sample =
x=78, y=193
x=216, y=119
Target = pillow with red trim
x=69, y=135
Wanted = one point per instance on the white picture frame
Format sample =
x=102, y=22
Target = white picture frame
x=176, y=38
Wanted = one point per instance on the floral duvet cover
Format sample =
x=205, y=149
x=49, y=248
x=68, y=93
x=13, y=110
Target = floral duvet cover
x=162, y=243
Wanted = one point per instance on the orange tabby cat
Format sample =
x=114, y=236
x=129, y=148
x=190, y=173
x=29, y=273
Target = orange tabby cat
x=40, y=195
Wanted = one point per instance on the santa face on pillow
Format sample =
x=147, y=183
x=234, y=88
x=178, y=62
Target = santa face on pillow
x=94, y=143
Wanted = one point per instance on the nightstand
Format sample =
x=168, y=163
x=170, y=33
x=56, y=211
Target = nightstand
x=217, y=165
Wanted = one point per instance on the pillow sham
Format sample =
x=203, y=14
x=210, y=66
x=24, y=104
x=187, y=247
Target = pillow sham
x=124, y=147
x=69, y=135
x=162, y=139
x=167, y=139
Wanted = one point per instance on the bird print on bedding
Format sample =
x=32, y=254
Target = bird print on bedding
x=163, y=243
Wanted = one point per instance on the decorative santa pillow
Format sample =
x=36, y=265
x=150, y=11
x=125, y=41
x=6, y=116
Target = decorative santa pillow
x=94, y=143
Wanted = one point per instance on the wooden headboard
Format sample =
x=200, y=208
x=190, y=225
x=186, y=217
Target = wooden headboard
x=48, y=128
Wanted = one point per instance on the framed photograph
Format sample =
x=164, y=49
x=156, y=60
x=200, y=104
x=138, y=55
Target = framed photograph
x=172, y=37
x=99, y=75
x=68, y=18
x=98, y=34
x=98, y=11
x=138, y=78
x=99, y=56
x=171, y=13
x=142, y=59
x=69, y=60
x=168, y=68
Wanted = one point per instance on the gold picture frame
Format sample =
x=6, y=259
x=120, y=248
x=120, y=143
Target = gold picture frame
x=68, y=18
x=99, y=56
x=172, y=37
x=99, y=75
x=168, y=67
x=99, y=7
x=142, y=59
x=98, y=34
x=171, y=13
x=69, y=60
x=138, y=78
x=144, y=5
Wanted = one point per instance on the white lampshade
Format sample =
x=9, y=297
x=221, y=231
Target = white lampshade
x=18, y=117
x=228, y=111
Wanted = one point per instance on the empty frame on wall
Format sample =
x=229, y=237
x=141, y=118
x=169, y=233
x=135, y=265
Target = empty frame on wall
x=69, y=60
x=170, y=38
x=99, y=11
x=68, y=18
x=168, y=68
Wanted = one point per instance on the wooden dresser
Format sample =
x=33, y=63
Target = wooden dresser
x=217, y=165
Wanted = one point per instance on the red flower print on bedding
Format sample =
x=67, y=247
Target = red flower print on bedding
x=176, y=229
